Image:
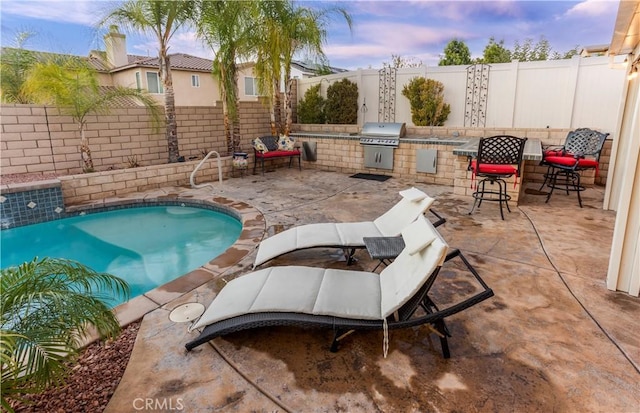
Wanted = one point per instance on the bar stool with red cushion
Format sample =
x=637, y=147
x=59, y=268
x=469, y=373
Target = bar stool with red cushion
x=580, y=152
x=499, y=157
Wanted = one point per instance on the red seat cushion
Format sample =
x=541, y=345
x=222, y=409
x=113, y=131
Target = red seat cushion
x=498, y=169
x=275, y=154
x=555, y=152
x=560, y=160
x=587, y=163
x=570, y=161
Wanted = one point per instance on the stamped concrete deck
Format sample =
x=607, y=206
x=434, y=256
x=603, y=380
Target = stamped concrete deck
x=552, y=339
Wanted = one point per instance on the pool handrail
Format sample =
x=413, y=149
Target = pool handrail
x=193, y=174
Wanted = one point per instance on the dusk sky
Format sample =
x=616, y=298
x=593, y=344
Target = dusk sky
x=415, y=30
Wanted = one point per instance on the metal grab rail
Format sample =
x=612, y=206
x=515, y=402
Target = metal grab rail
x=193, y=174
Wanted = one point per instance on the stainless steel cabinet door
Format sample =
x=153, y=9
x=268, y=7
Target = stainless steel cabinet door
x=379, y=157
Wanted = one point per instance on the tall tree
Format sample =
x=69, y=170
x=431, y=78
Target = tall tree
x=399, y=61
x=566, y=55
x=455, y=53
x=226, y=27
x=528, y=51
x=287, y=30
x=72, y=85
x=162, y=18
x=495, y=52
x=47, y=307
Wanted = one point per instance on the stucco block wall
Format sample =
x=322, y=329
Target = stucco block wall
x=41, y=139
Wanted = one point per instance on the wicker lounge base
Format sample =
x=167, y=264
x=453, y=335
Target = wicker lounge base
x=418, y=310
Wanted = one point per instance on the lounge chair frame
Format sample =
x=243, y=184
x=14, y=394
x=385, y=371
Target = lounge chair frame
x=407, y=317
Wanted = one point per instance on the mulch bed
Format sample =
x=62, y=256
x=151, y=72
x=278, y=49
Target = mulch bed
x=92, y=381
x=7, y=179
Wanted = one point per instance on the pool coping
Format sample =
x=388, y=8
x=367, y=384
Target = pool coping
x=253, y=230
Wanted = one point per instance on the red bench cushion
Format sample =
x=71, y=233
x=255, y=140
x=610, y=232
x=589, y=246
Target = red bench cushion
x=275, y=154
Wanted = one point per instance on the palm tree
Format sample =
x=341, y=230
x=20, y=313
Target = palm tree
x=15, y=64
x=226, y=27
x=73, y=86
x=162, y=18
x=288, y=30
x=47, y=307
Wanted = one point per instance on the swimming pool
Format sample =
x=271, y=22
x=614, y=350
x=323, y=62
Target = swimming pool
x=147, y=246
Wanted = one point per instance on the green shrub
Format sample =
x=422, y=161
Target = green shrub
x=426, y=97
x=311, y=107
x=342, y=103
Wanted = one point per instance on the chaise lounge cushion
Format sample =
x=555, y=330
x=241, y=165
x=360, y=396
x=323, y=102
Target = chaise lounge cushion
x=332, y=292
x=402, y=279
x=346, y=234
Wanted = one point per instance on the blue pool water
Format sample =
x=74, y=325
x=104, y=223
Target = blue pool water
x=146, y=246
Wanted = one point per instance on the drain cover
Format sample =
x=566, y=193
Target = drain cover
x=186, y=312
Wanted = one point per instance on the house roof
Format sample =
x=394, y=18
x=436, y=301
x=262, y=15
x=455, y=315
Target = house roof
x=179, y=61
x=315, y=68
x=95, y=62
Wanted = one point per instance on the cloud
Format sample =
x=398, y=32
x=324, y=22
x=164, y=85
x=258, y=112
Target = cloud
x=404, y=37
x=458, y=11
x=82, y=12
x=592, y=8
x=374, y=42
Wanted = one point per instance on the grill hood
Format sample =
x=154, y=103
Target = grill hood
x=384, y=129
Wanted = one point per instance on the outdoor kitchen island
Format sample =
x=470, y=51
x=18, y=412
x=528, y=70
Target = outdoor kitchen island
x=435, y=159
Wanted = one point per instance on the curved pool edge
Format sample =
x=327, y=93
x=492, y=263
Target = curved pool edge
x=253, y=230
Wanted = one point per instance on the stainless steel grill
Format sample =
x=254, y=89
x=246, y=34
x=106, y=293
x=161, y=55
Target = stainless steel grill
x=382, y=134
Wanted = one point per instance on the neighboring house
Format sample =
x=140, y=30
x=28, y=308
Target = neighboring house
x=248, y=84
x=594, y=50
x=301, y=70
x=193, y=83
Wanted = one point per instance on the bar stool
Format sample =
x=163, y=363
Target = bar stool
x=580, y=152
x=499, y=157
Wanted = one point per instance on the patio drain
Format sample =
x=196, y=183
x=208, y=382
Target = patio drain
x=186, y=312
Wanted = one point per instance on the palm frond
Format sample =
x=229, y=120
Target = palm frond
x=47, y=305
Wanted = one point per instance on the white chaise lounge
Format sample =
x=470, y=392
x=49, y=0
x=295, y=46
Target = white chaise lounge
x=347, y=235
x=342, y=300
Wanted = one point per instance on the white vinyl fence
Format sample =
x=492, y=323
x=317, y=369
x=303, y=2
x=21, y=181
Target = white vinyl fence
x=570, y=93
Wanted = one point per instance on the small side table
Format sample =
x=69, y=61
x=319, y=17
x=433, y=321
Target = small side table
x=384, y=249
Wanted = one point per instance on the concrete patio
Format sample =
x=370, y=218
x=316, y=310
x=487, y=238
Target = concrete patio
x=553, y=338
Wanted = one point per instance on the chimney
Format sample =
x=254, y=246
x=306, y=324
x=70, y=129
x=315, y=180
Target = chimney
x=116, y=45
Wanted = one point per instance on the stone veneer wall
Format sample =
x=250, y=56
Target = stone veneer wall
x=38, y=139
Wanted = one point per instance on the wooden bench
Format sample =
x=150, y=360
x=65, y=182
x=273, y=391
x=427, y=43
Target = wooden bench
x=268, y=148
